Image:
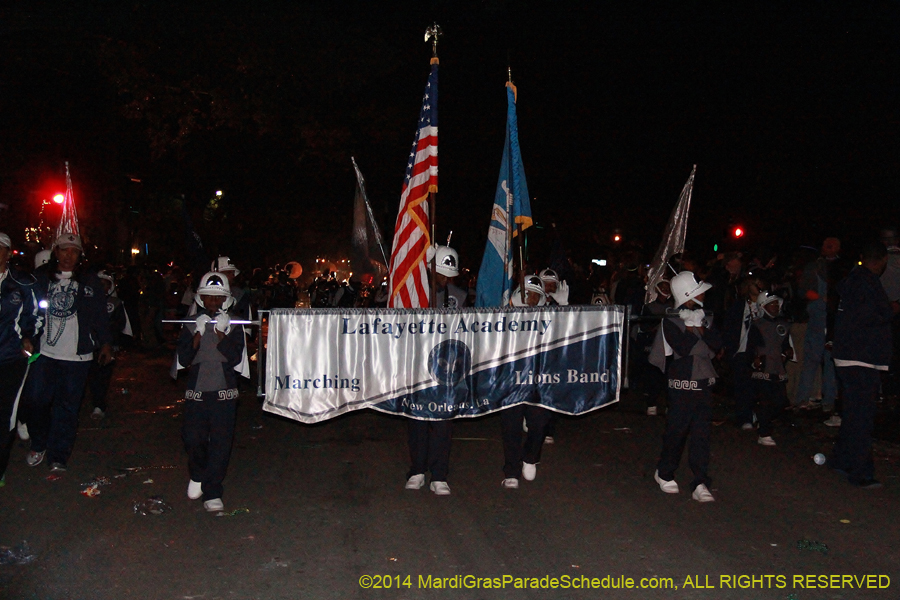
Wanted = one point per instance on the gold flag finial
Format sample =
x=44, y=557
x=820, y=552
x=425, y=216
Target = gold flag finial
x=433, y=33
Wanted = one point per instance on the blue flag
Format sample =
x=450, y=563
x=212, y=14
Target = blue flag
x=511, y=215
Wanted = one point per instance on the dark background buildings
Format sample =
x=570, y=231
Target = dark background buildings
x=789, y=110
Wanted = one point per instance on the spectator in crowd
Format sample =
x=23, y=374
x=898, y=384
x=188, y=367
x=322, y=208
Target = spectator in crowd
x=890, y=280
x=862, y=349
x=818, y=287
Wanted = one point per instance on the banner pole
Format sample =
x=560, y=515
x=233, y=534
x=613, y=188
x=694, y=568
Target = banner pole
x=432, y=200
x=626, y=329
x=261, y=355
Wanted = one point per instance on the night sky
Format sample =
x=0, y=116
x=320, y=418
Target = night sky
x=789, y=110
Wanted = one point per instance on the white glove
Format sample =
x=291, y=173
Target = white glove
x=692, y=318
x=561, y=295
x=223, y=322
x=429, y=254
x=515, y=299
x=201, y=323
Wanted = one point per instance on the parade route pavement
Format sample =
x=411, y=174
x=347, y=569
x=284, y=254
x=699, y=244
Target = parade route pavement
x=327, y=515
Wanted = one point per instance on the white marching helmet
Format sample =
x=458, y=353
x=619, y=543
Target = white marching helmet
x=660, y=292
x=214, y=284
x=446, y=261
x=534, y=284
x=107, y=277
x=223, y=263
x=685, y=287
x=765, y=298
x=548, y=275
x=42, y=258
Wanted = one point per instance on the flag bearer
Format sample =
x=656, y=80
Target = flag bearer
x=688, y=338
x=429, y=441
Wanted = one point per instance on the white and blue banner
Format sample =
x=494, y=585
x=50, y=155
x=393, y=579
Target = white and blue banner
x=436, y=364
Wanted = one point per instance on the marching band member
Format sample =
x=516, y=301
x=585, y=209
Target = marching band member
x=75, y=326
x=429, y=441
x=212, y=351
x=100, y=376
x=770, y=342
x=688, y=338
x=18, y=315
x=522, y=459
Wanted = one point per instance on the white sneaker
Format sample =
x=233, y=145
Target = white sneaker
x=214, y=505
x=651, y=411
x=548, y=439
x=415, y=482
x=97, y=414
x=22, y=428
x=510, y=483
x=747, y=427
x=195, y=490
x=833, y=421
x=529, y=471
x=701, y=494
x=33, y=459
x=440, y=488
x=765, y=440
x=669, y=487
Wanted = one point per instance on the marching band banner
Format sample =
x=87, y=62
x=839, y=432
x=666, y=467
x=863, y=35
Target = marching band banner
x=436, y=364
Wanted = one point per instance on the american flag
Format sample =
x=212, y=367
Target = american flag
x=409, y=268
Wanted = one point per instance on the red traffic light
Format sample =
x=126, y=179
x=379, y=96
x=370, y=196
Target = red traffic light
x=59, y=198
x=737, y=231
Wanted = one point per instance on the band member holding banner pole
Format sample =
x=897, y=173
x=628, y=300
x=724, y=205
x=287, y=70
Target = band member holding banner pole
x=519, y=459
x=687, y=336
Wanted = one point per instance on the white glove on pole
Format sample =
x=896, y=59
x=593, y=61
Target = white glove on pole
x=201, y=323
x=561, y=295
x=692, y=318
x=223, y=322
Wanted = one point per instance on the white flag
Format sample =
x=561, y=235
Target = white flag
x=673, y=239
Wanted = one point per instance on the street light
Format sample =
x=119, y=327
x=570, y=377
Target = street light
x=59, y=198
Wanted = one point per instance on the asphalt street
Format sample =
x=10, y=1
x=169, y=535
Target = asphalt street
x=321, y=512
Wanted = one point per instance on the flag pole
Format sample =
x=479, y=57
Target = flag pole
x=510, y=218
x=433, y=32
